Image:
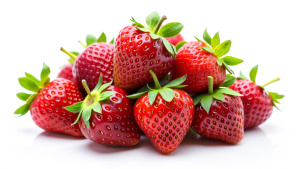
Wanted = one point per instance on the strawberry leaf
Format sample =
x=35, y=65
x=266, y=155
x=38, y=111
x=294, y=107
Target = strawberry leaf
x=219, y=61
x=169, y=47
x=75, y=53
x=45, y=75
x=90, y=39
x=232, y=61
x=206, y=37
x=152, y=96
x=75, y=108
x=176, y=82
x=97, y=107
x=102, y=37
x=218, y=96
x=206, y=102
x=228, y=92
x=215, y=41
x=171, y=29
x=152, y=20
x=86, y=115
x=207, y=49
x=253, y=73
x=99, y=83
x=197, y=39
x=197, y=99
x=23, y=96
x=23, y=109
x=228, y=81
x=112, y=41
x=105, y=95
x=105, y=86
x=142, y=29
x=154, y=36
x=222, y=49
x=28, y=84
x=180, y=44
x=34, y=79
x=228, y=68
x=242, y=76
x=137, y=95
x=167, y=94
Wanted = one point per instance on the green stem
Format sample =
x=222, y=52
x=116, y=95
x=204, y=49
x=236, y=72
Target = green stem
x=82, y=44
x=156, y=82
x=210, y=85
x=271, y=81
x=88, y=91
x=68, y=53
x=162, y=19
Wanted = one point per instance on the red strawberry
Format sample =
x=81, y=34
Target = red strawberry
x=139, y=49
x=96, y=59
x=175, y=39
x=219, y=115
x=198, y=60
x=258, y=103
x=47, y=104
x=107, y=117
x=164, y=114
x=66, y=70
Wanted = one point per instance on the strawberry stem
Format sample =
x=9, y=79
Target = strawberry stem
x=210, y=85
x=271, y=81
x=68, y=53
x=88, y=91
x=162, y=19
x=82, y=44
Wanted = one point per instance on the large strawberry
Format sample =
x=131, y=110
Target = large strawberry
x=258, y=103
x=66, y=70
x=96, y=59
x=198, y=60
x=219, y=114
x=106, y=116
x=47, y=103
x=139, y=49
x=164, y=114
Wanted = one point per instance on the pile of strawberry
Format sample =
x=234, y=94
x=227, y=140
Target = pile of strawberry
x=113, y=92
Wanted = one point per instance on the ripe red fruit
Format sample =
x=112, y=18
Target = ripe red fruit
x=219, y=115
x=107, y=117
x=198, y=60
x=139, y=49
x=175, y=39
x=96, y=59
x=258, y=103
x=47, y=104
x=164, y=114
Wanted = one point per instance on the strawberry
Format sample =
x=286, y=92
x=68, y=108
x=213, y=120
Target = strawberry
x=175, y=39
x=66, y=70
x=139, y=49
x=47, y=103
x=96, y=59
x=198, y=60
x=258, y=103
x=164, y=114
x=106, y=116
x=219, y=114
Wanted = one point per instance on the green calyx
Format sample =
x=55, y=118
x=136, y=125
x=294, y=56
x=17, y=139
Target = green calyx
x=90, y=39
x=72, y=55
x=206, y=99
x=220, y=50
x=274, y=96
x=166, y=92
x=91, y=102
x=31, y=83
x=154, y=23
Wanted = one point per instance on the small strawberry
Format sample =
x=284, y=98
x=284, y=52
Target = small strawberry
x=258, y=103
x=164, y=114
x=219, y=114
x=175, y=39
x=66, y=70
x=106, y=116
x=96, y=59
x=139, y=49
x=199, y=59
x=47, y=103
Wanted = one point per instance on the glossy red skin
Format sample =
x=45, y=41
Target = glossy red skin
x=175, y=39
x=224, y=121
x=165, y=123
x=96, y=59
x=116, y=125
x=258, y=105
x=135, y=54
x=197, y=64
x=66, y=73
x=48, y=112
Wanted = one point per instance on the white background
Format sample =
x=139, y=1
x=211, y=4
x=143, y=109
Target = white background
x=262, y=32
